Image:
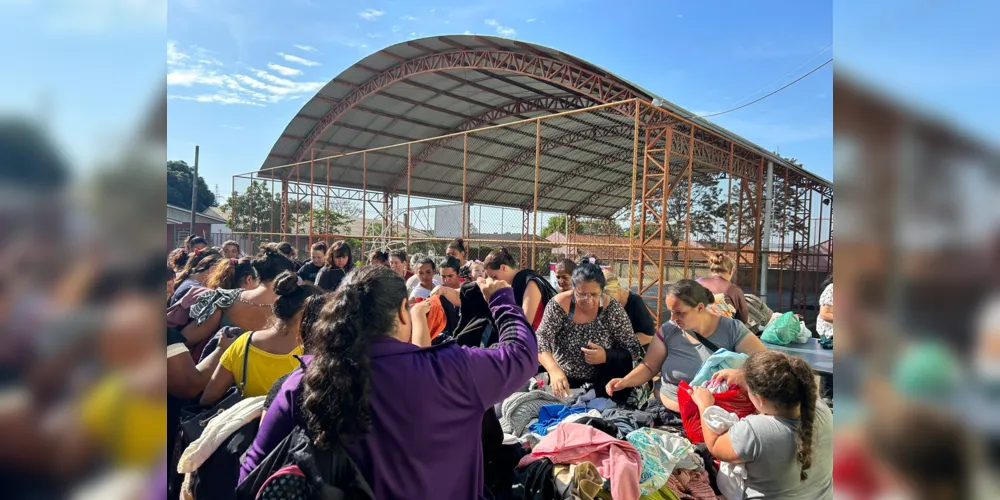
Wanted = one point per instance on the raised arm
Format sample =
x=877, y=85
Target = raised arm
x=497, y=373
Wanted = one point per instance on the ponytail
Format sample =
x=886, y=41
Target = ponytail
x=787, y=382
x=337, y=382
x=807, y=409
x=230, y=273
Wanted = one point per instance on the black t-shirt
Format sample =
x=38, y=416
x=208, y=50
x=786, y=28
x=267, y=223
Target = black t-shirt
x=329, y=278
x=639, y=315
x=308, y=272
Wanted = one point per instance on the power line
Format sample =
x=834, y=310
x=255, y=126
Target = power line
x=793, y=82
x=782, y=77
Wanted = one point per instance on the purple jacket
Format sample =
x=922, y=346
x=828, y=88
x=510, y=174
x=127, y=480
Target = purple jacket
x=427, y=409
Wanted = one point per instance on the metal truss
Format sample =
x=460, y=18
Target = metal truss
x=582, y=81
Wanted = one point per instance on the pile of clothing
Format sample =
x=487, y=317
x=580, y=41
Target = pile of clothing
x=586, y=447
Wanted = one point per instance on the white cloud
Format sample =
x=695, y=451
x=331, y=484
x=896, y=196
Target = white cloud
x=356, y=45
x=371, y=14
x=297, y=59
x=307, y=48
x=283, y=70
x=374, y=35
x=501, y=29
x=408, y=18
x=396, y=29
x=467, y=32
x=680, y=16
x=531, y=20
x=233, y=127
x=211, y=82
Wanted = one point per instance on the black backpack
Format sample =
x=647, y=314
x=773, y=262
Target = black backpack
x=297, y=470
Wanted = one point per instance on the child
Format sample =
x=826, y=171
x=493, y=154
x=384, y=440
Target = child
x=785, y=452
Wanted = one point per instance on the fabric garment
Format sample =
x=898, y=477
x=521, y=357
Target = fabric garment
x=550, y=415
x=575, y=443
x=661, y=452
x=735, y=400
x=218, y=429
x=721, y=308
x=179, y=314
x=308, y=272
x=733, y=293
x=539, y=481
x=437, y=321
x=600, y=424
x=206, y=303
x=588, y=483
x=329, y=278
x=691, y=485
x=664, y=493
x=520, y=285
x=576, y=417
x=825, y=328
x=120, y=421
x=475, y=326
x=458, y=383
x=420, y=293
x=563, y=476
x=661, y=415
x=627, y=420
x=720, y=360
x=716, y=387
x=638, y=314
x=182, y=290
x=518, y=410
x=263, y=368
x=685, y=357
x=719, y=420
x=766, y=444
x=562, y=337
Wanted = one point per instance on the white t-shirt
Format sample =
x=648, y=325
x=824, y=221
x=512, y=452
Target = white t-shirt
x=825, y=328
x=420, y=293
x=414, y=282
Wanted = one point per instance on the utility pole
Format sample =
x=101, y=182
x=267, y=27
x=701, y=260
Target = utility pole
x=194, y=191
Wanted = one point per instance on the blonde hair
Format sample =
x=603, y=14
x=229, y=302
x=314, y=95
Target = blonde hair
x=611, y=285
x=721, y=263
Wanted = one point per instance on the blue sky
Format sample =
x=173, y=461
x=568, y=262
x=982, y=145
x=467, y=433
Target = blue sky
x=241, y=70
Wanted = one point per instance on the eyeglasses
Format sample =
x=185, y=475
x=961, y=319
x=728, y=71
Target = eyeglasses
x=585, y=296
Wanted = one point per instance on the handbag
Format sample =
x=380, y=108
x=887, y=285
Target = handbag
x=194, y=419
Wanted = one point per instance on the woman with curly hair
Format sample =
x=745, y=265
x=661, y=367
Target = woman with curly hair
x=407, y=416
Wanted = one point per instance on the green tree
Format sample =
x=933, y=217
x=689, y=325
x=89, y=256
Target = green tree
x=179, y=187
x=557, y=224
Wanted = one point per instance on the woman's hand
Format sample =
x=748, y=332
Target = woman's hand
x=616, y=384
x=594, y=354
x=489, y=286
x=730, y=376
x=702, y=397
x=420, y=310
x=559, y=383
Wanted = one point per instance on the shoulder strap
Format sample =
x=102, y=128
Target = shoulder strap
x=246, y=359
x=705, y=342
x=572, y=307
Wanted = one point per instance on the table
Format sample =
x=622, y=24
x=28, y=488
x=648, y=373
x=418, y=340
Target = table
x=821, y=360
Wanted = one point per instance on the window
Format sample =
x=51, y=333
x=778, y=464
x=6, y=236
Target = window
x=180, y=234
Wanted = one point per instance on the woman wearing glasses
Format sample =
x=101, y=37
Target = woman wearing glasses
x=585, y=336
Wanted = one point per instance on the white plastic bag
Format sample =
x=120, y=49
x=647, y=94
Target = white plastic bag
x=804, y=333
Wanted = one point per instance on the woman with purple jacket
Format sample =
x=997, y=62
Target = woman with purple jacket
x=409, y=417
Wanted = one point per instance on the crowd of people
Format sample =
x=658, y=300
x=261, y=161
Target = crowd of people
x=391, y=376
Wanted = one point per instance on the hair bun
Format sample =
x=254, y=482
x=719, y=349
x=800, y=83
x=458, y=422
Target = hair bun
x=286, y=283
x=268, y=249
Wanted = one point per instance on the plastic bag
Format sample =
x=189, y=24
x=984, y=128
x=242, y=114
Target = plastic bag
x=734, y=400
x=804, y=333
x=782, y=331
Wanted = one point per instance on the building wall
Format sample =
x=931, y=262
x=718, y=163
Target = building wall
x=175, y=230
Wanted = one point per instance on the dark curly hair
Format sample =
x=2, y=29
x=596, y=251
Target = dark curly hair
x=177, y=259
x=292, y=296
x=310, y=316
x=270, y=262
x=786, y=382
x=337, y=382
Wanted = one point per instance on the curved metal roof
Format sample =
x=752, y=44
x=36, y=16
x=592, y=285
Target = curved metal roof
x=441, y=85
